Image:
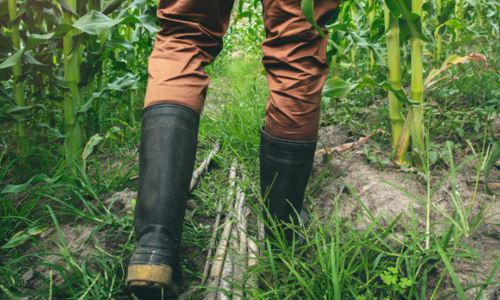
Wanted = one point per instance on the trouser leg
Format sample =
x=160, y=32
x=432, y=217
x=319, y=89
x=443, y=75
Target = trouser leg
x=295, y=61
x=190, y=39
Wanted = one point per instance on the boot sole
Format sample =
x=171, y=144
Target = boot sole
x=151, y=277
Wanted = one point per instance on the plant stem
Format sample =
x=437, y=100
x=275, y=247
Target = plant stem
x=18, y=87
x=71, y=75
x=371, y=18
x=417, y=87
x=100, y=83
x=394, y=62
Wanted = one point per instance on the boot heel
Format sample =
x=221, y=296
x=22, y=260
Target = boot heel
x=152, y=277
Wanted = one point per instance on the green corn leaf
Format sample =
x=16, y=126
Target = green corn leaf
x=55, y=132
x=377, y=51
x=14, y=189
x=29, y=59
x=94, y=141
x=95, y=23
x=14, y=59
x=89, y=147
x=36, y=39
x=361, y=40
x=111, y=6
x=308, y=10
x=16, y=240
x=337, y=87
x=412, y=22
x=67, y=7
x=23, y=236
x=494, y=157
x=37, y=230
x=148, y=23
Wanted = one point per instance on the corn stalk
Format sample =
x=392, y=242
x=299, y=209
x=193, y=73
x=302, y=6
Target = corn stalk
x=18, y=86
x=394, y=62
x=371, y=18
x=417, y=89
x=71, y=96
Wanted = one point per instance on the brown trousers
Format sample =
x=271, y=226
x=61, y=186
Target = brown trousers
x=294, y=58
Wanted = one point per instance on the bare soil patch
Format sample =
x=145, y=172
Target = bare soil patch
x=387, y=193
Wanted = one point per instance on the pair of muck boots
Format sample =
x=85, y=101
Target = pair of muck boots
x=166, y=160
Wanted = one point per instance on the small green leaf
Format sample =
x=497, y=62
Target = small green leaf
x=89, y=147
x=111, y=6
x=95, y=23
x=16, y=240
x=14, y=189
x=308, y=10
x=37, y=230
x=14, y=59
x=67, y=7
x=337, y=87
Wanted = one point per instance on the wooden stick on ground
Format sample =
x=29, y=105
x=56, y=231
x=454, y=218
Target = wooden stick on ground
x=262, y=234
x=220, y=253
x=240, y=266
x=228, y=271
x=204, y=165
x=253, y=260
x=232, y=182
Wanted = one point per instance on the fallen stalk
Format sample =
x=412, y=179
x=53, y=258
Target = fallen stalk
x=235, y=252
x=232, y=177
x=204, y=166
x=220, y=253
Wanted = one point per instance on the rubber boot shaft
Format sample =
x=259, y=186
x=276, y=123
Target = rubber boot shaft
x=285, y=167
x=166, y=160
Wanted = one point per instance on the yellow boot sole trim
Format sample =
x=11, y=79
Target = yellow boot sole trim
x=151, y=276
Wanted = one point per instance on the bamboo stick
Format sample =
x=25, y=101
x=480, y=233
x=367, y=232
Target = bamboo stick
x=204, y=166
x=220, y=253
x=241, y=264
x=232, y=176
x=229, y=270
x=253, y=260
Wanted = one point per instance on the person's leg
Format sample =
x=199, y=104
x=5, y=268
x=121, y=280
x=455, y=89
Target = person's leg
x=190, y=38
x=295, y=61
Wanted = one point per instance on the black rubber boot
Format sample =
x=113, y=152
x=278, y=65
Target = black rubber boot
x=166, y=160
x=285, y=167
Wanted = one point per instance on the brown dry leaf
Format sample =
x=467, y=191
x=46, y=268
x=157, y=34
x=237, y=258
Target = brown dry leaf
x=467, y=150
x=350, y=146
x=450, y=61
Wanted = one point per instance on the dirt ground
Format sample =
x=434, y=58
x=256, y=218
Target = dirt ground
x=371, y=186
x=352, y=169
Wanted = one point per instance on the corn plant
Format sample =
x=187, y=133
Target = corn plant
x=59, y=52
x=403, y=22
